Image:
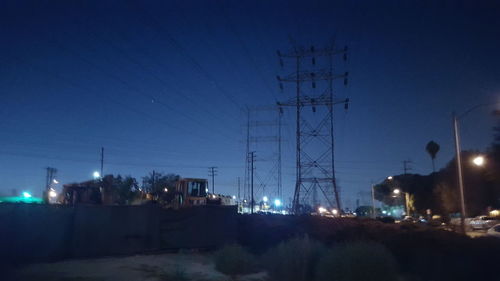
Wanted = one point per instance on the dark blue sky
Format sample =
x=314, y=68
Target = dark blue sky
x=161, y=85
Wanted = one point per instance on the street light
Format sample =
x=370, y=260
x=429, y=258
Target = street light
x=389, y=178
x=456, y=134
x=277, y=202
x=96, y=175
x=52, y=193
x=478, y=160
x=397, y=191
x=265, y=199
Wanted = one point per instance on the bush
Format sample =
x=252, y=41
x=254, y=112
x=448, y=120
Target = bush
x=358, y=261
x=294, y=260
x=235, y=260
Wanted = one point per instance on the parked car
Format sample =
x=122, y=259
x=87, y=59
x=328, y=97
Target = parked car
x=483, y=222
x=494, y=231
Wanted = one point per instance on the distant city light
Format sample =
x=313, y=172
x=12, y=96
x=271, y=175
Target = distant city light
x=321, y=210
x=165, y=189
x=26, y=194
x=234, y=196
x=335, y=211
x=265, y=199
x=96, y=175
x=55, y=181
x=478, y=161
x=389, y=177
x=277, y=202
x=397, y=191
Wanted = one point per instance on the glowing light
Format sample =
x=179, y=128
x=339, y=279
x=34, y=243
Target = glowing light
x=277, y=202
x=265, y=199
x=321, y=210
x=26, y=194
x=389, y=177
x=495, y=213
x=234, y=196
x=55, y=181
x=96, y=175
x=165, y=189
x=478, y=160
x=335, y=211
x=52, y=193
x=397, y=191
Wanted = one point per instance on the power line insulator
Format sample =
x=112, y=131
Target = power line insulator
x=346, y=104
x=345, y=78
x=312, y=49
x=313, y=61
x=281, y=86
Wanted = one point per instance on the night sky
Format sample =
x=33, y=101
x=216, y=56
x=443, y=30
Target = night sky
x=162, y=85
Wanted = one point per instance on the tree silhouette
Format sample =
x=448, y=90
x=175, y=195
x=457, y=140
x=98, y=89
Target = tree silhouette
x=432, y=148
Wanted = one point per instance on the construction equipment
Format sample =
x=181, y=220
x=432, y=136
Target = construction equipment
x=194, y=192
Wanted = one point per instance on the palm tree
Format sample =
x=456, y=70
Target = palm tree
x=432, y=148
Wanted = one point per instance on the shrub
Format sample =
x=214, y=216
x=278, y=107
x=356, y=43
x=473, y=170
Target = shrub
x=294, y=260
x=235, y=260
x=358, y=261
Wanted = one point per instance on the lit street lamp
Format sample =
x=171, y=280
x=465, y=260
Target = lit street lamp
x=478, y=160
x=373, y=196
x=277, y=203
x=459, y=160
x=397, y=191
x=96, y=175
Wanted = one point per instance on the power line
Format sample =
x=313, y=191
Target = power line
x=174, y=43
x=212, y=172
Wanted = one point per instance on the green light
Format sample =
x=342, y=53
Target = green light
x=21, y=199
x=26, y=194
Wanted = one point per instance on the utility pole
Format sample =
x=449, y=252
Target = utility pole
x=154, y=181
x=373, y=200
x=51, y=174
x=238, y=188
x=315, y=166
x=280, y=181
x=212, y=172
x=406, y=167
x=102, y=162
x=252, y=160
x=460, y=174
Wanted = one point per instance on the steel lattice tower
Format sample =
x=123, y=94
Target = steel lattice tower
x=315, y=166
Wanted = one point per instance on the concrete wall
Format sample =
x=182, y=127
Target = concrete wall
x=30, y=232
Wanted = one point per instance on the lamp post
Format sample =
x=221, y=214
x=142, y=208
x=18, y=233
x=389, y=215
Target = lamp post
x=456, y=134
x=389, y=178
x=407, y=199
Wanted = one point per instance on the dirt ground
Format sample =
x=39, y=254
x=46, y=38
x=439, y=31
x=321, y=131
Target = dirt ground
x=171, y=267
